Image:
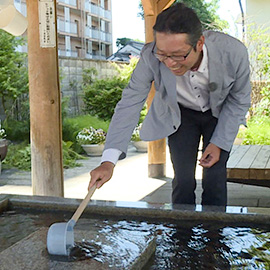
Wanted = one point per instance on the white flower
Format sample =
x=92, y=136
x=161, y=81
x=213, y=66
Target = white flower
x=135, y=137
x=2, y=132
x=91, y=136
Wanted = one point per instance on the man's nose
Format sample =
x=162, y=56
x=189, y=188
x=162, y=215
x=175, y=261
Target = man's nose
x=169, y=62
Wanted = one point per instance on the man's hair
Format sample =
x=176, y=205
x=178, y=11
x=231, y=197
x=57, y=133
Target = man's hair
x=179, y=19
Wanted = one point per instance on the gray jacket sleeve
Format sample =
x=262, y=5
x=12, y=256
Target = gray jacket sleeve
x=127, y=111
x=236, y=99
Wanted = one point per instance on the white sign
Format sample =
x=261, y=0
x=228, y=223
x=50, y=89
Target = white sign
x=47, y=34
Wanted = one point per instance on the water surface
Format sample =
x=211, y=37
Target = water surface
x=183, y=245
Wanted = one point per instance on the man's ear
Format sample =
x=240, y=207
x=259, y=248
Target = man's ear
x=200, y=43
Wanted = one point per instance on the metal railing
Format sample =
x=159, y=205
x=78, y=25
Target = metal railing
x=67, y=53
x=99, y=11
x=96, y=34
x=96, y=55
x=69, y=2
x=67, y=26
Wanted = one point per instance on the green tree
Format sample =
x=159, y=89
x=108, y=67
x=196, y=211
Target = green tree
x=125, y=70
x=121, y=42
x=13, y=71
x=258, y=44
x=207, y=12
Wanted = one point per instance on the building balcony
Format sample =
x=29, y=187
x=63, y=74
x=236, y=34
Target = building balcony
x=69, y=2
x=108, y=37
x=67, y=53
x=67, y=27
x=91, y=33
x=98, y=35
x=99, y=11
x=95, y=55
x=108, y=14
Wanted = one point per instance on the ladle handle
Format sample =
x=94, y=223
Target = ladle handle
x=84, y=203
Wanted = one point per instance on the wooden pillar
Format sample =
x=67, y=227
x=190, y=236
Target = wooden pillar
x=45, y=103
x=156, y=149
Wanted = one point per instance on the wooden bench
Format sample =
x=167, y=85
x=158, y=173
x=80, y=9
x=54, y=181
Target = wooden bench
x=249, y=164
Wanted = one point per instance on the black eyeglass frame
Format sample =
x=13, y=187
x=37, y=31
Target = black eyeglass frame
x=176, y=58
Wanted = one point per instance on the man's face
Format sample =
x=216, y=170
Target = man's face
x=184, y=57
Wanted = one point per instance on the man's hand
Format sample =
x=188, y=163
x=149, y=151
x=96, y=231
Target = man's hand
x=210, y=156
x=101, y=174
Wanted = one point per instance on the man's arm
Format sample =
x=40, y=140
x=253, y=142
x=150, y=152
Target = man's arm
x=235, y=105
x=104, y=172
x=101, y=174
x=210, y=156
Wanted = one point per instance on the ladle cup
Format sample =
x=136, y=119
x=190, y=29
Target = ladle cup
x=60, y=237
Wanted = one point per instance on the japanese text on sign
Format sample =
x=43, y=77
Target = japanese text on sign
x=46, y=23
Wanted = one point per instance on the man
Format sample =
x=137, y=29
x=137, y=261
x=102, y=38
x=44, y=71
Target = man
x=202, y=90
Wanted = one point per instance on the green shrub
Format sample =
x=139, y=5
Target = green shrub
x=17, y=131
x=101, y=97
x=263, y=107
x=70, y=157
x=143, y=113
x=69, y=130
x=258, y=126
x=13, y=72
x=19, y=156
x=89, y=75
x=125, y=70
x=258, y=131
x=72, y=126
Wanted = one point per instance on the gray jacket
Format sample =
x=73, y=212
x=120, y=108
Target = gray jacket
x=229, y=87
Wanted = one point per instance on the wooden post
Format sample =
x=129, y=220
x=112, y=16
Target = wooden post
x=45, y=107
x=156, y=149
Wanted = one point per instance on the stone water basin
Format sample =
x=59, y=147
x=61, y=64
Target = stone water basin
x=118, y=235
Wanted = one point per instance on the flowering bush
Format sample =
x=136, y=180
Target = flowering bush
x=91, y=136
x=2, y=132
x=135, y=137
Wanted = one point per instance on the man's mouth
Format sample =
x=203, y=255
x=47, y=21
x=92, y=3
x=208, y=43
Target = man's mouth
x=175, y=68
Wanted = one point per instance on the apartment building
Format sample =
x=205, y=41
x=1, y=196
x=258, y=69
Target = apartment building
x=84, y=27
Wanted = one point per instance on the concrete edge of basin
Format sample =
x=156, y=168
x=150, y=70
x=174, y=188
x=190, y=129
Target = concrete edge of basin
x=147, y=253
x=3, y=204
x=135, y=209
x=30, y=253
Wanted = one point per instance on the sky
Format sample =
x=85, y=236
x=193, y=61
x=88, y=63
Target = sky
x=126, y=23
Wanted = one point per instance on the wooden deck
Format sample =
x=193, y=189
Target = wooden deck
x=249, y=164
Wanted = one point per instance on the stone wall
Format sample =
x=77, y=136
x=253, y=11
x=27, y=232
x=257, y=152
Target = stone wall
x=71, y=71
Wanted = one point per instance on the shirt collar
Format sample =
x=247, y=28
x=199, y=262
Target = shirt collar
x=204, y=63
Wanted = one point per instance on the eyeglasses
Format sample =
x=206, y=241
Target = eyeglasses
x=162, y=57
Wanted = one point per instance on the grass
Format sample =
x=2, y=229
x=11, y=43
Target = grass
x=84, y=121
x=71, y=126
x=257, y=131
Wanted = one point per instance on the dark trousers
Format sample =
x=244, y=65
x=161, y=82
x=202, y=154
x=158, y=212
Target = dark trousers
x=184, y=146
